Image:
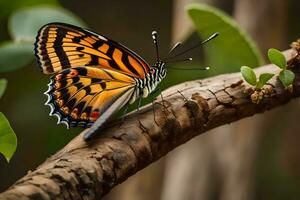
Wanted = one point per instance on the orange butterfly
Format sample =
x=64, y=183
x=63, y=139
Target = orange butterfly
x=94, y=76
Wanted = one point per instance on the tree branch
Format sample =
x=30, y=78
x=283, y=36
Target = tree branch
x=89, y=170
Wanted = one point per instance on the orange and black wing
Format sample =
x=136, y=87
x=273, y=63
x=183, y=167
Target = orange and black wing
x=60, y=46
x=79, y=96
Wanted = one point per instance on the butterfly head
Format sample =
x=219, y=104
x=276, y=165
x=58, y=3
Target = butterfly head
x=160, y=68
x=159, y=65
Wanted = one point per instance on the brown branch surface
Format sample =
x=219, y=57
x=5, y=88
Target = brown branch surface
x=89, y=170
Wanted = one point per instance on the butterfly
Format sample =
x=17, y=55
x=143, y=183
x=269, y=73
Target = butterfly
x=93, y=76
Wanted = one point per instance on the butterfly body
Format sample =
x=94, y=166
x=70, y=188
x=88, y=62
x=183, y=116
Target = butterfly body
x=94, y=76
x=147, y=85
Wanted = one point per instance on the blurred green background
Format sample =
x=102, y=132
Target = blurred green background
x=256, y=158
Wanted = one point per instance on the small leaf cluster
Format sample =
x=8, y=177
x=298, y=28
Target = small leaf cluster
x=285, y=76
x=251, y=78
x=260, y=88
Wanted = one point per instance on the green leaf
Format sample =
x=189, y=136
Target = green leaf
x=286, y=77
x=7, y=7
x=8, y=139
x=24, y=24
x=15, y=55
x=249, y=75
x=232, y=49
x=3, y=83
x=263, y=79
x=226, y=53
x=277, y=58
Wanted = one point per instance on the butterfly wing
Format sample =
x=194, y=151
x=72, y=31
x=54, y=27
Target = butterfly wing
x=59, y=46
x=79, y=96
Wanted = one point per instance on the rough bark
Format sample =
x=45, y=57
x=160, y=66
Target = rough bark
x=89, y=170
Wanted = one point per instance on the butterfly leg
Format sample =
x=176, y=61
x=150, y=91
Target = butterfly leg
x=163, y=103
x=185, y=99
x=138, y=112
x=162, y=99
x=139, y=105
x=153, y=103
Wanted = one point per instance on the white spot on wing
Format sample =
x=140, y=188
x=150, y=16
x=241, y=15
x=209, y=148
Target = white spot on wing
x=60, y=120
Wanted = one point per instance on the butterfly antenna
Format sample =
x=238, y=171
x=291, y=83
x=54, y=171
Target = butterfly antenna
x=197, y=45
x=154, y=37
x=175, y=47
x=180, y=60
x=195, y=68
x=183, y=60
